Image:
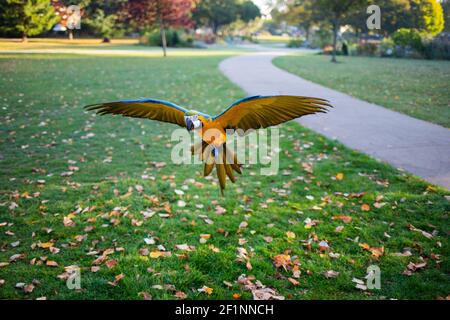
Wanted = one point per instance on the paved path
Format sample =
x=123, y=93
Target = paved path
x=417, y=146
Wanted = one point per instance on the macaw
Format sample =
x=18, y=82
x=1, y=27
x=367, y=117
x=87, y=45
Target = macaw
x=253, y=112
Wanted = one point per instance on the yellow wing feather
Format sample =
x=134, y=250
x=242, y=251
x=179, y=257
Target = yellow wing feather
x=262, y=112
x=145, y=108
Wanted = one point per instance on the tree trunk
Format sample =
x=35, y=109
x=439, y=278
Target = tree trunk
x=70, y=34
x=24, y=38
x=164, y=40
x=335, y=33
x=215, y=28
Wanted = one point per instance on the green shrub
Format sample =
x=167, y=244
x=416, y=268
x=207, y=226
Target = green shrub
x=174, y=38
x=437, y=49
x=408, y=38
x=295, y=43
x=367, y=49
x=387, y=47
x=249, y=38
x=321, y=38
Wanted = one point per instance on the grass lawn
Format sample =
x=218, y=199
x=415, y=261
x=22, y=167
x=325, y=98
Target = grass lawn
x=419, y=88
x=117, y=47
x=273, y=39
x=58, y=43
x=82, y=190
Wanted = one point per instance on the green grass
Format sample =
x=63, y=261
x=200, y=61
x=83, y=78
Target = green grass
x=419, y=88
x=44, y=130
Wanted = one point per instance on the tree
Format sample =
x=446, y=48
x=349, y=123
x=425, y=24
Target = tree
x=248, y=11
x=66, y=16
x=102, y=17
x=216, y=13
x=27, y=17
x=103, y=24
x=446, y=8
x=161, y=13
x=335, y=11
x=298, y=12
x=428, y=16
x=395, y=14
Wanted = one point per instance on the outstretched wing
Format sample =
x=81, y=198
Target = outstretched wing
x=144, y=108
x=264, y=111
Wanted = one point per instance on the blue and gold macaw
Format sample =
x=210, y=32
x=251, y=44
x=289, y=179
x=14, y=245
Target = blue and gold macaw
x=249, y=113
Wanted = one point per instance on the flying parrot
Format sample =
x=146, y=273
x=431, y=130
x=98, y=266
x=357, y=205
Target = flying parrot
x=253, y=112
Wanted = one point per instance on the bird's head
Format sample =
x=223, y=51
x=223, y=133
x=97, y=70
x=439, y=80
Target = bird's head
x=192, y=120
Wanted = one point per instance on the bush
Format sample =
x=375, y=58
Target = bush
x=387, y=47
x=408, y=38
x=174, y=38
x=367, y=49
x=321, y=38
x=295, y=43
x=437, y=49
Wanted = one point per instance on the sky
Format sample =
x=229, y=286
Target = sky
x=264, y=5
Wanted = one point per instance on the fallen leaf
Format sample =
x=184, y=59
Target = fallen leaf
x=145, y=295
x=51, y=263
x=323, y=246
x=330, y=274
x=28, y=288
x=290, y=235
x=206, y=290
x=180, y=295
x=156, y=254
x=345, y=219
x=111, y=263
x=117, y=279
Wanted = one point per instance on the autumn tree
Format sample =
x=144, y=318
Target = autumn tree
x=428, y=16
x=68, y=16
x=161, y=13
x=27, y=17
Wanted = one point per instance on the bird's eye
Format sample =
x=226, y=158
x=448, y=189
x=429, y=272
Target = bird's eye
x=195, y=117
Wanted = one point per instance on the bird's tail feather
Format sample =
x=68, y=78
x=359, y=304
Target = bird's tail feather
x=224, y=168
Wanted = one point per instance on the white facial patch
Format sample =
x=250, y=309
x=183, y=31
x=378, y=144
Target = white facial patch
x=197, y=123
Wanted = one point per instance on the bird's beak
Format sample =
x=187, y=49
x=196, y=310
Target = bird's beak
x=189, y=124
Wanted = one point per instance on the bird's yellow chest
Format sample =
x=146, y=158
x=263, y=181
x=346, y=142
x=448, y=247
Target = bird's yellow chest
x=212, y=132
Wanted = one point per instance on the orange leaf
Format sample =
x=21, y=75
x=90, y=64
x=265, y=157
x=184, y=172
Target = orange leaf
x=346, y=219
x=156, y=254
x=365, y=246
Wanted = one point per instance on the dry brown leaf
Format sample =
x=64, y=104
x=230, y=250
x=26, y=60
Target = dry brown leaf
x=111, y=263
x=180, y=295
x=343, y=218
x=51, y=263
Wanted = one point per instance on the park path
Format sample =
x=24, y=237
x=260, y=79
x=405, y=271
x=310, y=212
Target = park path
x=417, y=146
